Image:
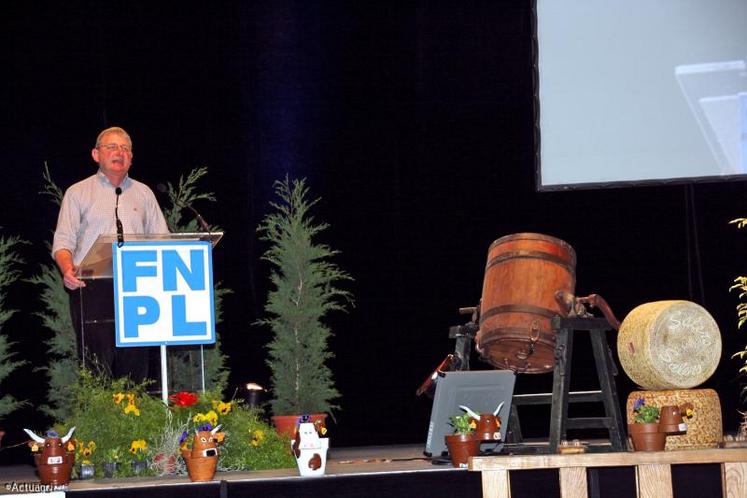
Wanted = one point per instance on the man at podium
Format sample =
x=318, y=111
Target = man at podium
x=108, y=202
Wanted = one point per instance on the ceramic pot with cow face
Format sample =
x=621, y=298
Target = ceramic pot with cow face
x=488, y=425
x=54, y=458
x=202, y=458
x=310, y=450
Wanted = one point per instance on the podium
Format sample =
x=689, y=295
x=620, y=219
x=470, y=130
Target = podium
x=152, y=279
x=97, y=262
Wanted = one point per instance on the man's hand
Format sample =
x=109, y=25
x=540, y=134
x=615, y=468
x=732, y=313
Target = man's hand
x=70, y=280
x=64, y=260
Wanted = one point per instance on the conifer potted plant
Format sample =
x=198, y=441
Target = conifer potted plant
x=304, y=289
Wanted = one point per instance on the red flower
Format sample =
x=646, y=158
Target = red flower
x=183, y=398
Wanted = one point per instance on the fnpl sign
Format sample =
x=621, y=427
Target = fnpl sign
x=163, y=293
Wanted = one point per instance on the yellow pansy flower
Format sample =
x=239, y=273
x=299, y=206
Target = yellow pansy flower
x=212, y=417
x=118, y=397
x=138, y=445
x=131, y=408
x=223, y=408
x=257, y=437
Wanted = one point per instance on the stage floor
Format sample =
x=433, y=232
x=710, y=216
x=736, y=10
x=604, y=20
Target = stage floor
x=344, y=464
x=364, y=472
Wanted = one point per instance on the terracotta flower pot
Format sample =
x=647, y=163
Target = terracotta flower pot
x=461, y=447
x=55, y=474
x=288, y=424
x=201, y=469
x=647, y=437
x=670, y=420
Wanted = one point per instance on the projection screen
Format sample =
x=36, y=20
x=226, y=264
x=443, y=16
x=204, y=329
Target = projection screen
x=632, y=92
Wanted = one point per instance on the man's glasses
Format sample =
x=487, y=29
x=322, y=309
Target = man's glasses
x=115, y=147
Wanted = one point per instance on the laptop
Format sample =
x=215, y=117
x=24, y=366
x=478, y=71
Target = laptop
x=481, y=391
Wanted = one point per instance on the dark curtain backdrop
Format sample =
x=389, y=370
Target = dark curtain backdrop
x=413, y=121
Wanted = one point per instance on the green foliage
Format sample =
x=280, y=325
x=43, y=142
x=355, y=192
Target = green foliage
x=113, y=423
x=9, y=274
x=252, y=444
x=62, y=369
x=462, y=424
x=185, y=194
x=740, y=284
x=304, y=291
x=50, y=188
x=643, y=413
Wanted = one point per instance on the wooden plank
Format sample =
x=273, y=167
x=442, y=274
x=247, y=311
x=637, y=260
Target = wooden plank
x=654, y=481
x=518, y=462
x=734, y=480
x=573, y=482
x=496, y=484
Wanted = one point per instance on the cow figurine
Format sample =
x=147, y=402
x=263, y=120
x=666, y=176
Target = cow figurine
x=488, y=424
x=54, y=461
x=202, y=458
x=310, y=450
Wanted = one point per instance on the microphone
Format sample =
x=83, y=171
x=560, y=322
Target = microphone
x=120, y=230
x=200, y=220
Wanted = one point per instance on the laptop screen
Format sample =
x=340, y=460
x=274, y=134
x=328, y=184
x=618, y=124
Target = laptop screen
x=481, y=391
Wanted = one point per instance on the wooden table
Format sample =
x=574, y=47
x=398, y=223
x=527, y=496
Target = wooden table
x=652, y=469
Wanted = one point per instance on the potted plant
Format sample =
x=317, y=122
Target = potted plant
x=111, y=462
x=303, y=291
x=138, y=450
x=86, y=469
x=645, y=431
x=463, y=443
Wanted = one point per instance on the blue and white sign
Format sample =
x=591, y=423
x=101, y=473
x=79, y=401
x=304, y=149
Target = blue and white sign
x=163, y=293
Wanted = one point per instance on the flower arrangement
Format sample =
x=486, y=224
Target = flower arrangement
x=643, y=413
x=117, y=418
x=463, y=424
